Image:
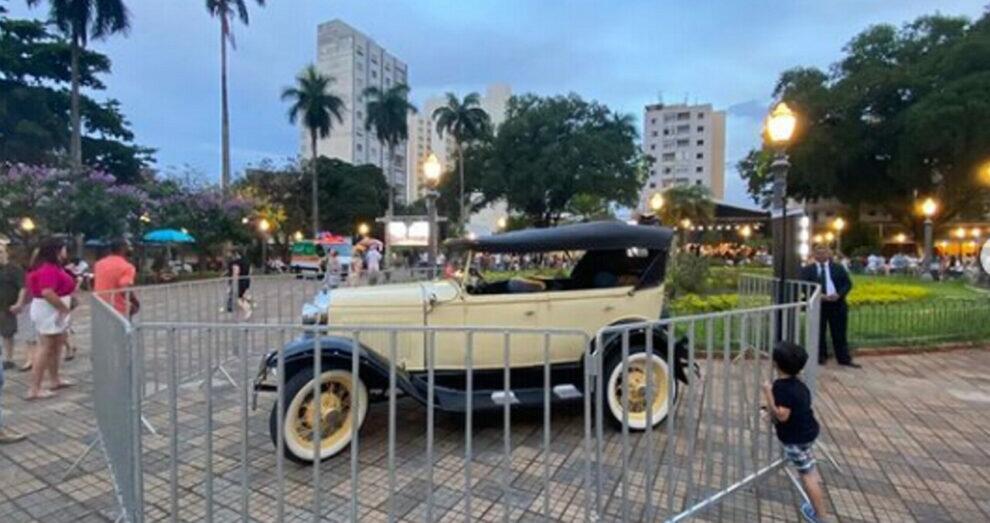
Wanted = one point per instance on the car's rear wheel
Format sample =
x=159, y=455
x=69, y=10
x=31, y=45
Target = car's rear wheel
x=333, y=414
x=641, y=366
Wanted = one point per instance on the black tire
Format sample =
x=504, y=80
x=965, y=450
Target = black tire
x=297, y=384
x=612, y=402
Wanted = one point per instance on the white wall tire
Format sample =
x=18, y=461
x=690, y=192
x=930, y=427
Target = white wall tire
x=637, y=363
x=299, y=420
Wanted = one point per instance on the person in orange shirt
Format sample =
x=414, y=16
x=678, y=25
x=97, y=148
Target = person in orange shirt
x=114, y=273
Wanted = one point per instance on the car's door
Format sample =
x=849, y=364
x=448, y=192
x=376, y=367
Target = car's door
x=511, y=311
x=589, y=310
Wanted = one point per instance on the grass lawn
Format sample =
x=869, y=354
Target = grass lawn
x=884, y=310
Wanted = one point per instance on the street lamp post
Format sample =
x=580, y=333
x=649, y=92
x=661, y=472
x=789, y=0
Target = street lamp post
x=263, y=227
x=928, y=209
x=838, y=224
x=779, y=130
x=431, y=172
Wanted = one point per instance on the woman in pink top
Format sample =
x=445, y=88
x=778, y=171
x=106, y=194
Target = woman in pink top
x=51, y=288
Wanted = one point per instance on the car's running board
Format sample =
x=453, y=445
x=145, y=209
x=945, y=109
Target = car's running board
x=560, y=392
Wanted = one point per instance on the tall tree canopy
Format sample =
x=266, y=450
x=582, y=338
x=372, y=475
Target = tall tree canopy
x=227, y=11
x=904, y=113
x=466, y=121
x=550, y=150
x=317, y=108
x=35, y=70
x=80, y=21
x=387, y=114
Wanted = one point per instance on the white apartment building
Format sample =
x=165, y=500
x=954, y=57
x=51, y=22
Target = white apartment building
x=687, y=143
x=356, y=62
x=424, y=139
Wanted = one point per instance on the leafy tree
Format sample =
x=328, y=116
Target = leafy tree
x=351, y=194
x=314, y=104
x=87, y=205
x=226, y=10
x=466, y=121
x=550, y=150
x=212, y=218
x=902, y=114
x=35, y=108
x=81, y=20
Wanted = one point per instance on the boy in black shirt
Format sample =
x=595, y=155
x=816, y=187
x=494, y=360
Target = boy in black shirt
x=789, y=404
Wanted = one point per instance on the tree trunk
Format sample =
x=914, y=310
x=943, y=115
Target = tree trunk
x=316, y=192
x=461, y=218
x=224, y=116
x=387, y=255
x=75, y=143
x=389, y=180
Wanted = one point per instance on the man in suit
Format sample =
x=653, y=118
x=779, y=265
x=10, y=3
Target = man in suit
x=836, y=285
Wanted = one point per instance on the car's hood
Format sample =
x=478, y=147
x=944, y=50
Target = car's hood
x=393, y=295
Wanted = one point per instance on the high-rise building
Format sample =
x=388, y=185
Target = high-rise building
x=687, y=144
x=424, y=139
x=356, y=62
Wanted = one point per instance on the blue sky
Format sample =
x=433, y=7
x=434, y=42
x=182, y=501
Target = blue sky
x=625, y=53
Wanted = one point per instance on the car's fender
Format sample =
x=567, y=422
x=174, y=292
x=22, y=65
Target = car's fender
x=336, y=352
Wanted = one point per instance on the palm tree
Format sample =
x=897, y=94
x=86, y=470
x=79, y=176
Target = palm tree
x=317, y=107
x=226, y=10
x=465, y=120
x=687, y=202
x=80, y=21
x=386, y=113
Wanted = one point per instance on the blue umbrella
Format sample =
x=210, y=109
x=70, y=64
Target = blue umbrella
x=168, y=236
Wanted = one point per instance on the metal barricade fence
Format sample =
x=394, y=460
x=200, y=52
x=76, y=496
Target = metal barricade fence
x=217, y=459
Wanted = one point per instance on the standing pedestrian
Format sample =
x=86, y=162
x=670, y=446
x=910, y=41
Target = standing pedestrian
x=51, y=289
x=11, y=297
x=239, y=272
x=7, y=436
x=836, y=285
x=112, y=274
x=373, y=259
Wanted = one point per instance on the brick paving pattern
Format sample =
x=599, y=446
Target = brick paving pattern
x=908, y=431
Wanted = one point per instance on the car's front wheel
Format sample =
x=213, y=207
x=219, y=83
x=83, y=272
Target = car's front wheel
x=333, y=414
x=641, y=367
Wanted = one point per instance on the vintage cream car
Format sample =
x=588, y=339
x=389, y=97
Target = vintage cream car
x=617, y=279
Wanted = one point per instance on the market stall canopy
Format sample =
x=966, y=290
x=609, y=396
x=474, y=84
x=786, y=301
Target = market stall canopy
x=168, y=236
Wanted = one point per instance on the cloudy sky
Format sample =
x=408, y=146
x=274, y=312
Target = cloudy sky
x=625, y=53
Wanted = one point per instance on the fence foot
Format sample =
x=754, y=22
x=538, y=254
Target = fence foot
x=828, y=455
x=75, y=464
x=226, y=375
x=147, y=425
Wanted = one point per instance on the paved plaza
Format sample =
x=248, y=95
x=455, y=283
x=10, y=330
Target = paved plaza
x=908, y=432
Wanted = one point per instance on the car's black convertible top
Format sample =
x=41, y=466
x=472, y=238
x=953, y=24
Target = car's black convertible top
x=593, y=236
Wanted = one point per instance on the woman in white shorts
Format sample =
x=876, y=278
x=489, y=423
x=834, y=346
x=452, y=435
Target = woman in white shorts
x=51, y=288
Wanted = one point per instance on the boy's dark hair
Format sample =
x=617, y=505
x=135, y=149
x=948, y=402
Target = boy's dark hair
x=790, y=357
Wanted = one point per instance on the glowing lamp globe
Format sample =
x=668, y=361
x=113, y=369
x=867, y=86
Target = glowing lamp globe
x=656, y=202
x=432, y=169
x=781, y=124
